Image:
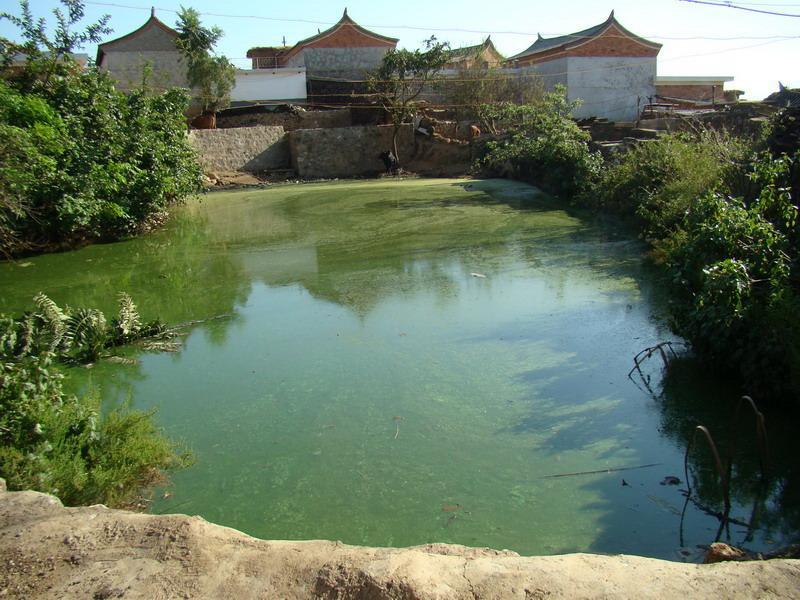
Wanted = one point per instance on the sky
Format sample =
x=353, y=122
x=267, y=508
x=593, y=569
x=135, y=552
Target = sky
x=753, y=48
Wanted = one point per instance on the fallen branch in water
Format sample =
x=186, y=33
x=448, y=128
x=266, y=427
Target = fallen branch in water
x=615, y=470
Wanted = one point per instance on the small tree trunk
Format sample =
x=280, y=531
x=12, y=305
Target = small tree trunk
x=395, y=132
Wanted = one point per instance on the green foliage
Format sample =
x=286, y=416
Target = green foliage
x=83, y=161
x=79, y=335
x=540, y=143
x=657, y=181
x=80, y=160
x=47, y=53
x=34, y=34
x=211, y=77
x=723, y=221
x=402, y=76
x=61, y=444
x=475, y=89
x=734, y=264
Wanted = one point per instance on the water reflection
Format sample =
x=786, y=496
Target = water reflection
x=769, y=505
x=494, y=328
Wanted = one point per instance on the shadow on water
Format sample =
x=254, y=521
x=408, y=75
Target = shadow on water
x=764, y=515
x=514, y=301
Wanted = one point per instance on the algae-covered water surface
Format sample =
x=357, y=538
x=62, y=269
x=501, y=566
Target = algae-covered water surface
x=405, y=362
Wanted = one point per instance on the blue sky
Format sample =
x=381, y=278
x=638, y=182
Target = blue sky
x=754, y=56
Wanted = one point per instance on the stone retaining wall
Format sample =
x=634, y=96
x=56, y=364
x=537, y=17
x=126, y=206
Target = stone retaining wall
x=312, y=119
x=252, y=149
x=345, y=152
x=325, y=153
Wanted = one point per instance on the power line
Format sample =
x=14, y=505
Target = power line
x=742, y=7
x=441, y=29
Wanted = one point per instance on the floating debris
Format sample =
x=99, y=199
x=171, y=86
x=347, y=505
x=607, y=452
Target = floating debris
x=397, y=420
x=478, y=275
x=451, y=507
x=599, y=471
x=671, y=480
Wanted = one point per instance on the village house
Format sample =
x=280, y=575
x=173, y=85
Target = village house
x=152, y=47
x=610, y=69
x=481, y=56
x=346, y=51
x=785, y=97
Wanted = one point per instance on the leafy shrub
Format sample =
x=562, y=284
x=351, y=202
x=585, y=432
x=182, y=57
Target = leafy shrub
x=656, y=182
x=80, y=160
x=541, y=144
x=734, y=266
x=61, y=444
x=83, y=161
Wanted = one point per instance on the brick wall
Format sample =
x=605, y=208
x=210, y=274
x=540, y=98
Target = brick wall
x=690, y=92
x=612, y=42
x=253, y=149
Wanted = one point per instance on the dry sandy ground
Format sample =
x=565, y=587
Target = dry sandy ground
x=48, y=551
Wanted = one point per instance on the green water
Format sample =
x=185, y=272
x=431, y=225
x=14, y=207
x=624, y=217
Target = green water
x=405, y=362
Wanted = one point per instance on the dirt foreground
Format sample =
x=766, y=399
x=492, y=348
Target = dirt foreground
x=48, y=551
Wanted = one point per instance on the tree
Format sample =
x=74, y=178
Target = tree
x=46, y=53
x=542, y=144
x=479, y=86
x=402, y=77
x=80, y=160
x=212, y=77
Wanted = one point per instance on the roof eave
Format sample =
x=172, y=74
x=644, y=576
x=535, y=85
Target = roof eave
x=152, y=20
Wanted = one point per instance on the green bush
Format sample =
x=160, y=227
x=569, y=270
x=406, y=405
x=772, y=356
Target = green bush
x=656, y=182
x=61, y=444
x=82, y=161
x=734, y=264
x=541, y=144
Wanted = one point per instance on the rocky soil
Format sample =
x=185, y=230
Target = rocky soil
x=49, y=551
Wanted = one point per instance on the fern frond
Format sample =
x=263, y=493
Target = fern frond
x=8, y=337
x=128, y=324
x=27, y=336
x=121, y=360
x=53, y=321
x=161, y=345
x=87, y=332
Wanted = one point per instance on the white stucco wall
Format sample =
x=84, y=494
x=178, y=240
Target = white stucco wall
x=269, y=84
x=552, y=72
x=612, y=87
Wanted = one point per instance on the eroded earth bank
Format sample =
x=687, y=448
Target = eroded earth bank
x=49, y=551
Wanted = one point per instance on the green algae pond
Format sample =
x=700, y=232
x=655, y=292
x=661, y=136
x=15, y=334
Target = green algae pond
x=392, y=363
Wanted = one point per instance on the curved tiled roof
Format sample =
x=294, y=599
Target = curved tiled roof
x=345, y=20
x=152, y=21
x=573, y=39
x=469, y=51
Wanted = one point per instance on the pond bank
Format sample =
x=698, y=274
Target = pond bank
x=49, y=551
